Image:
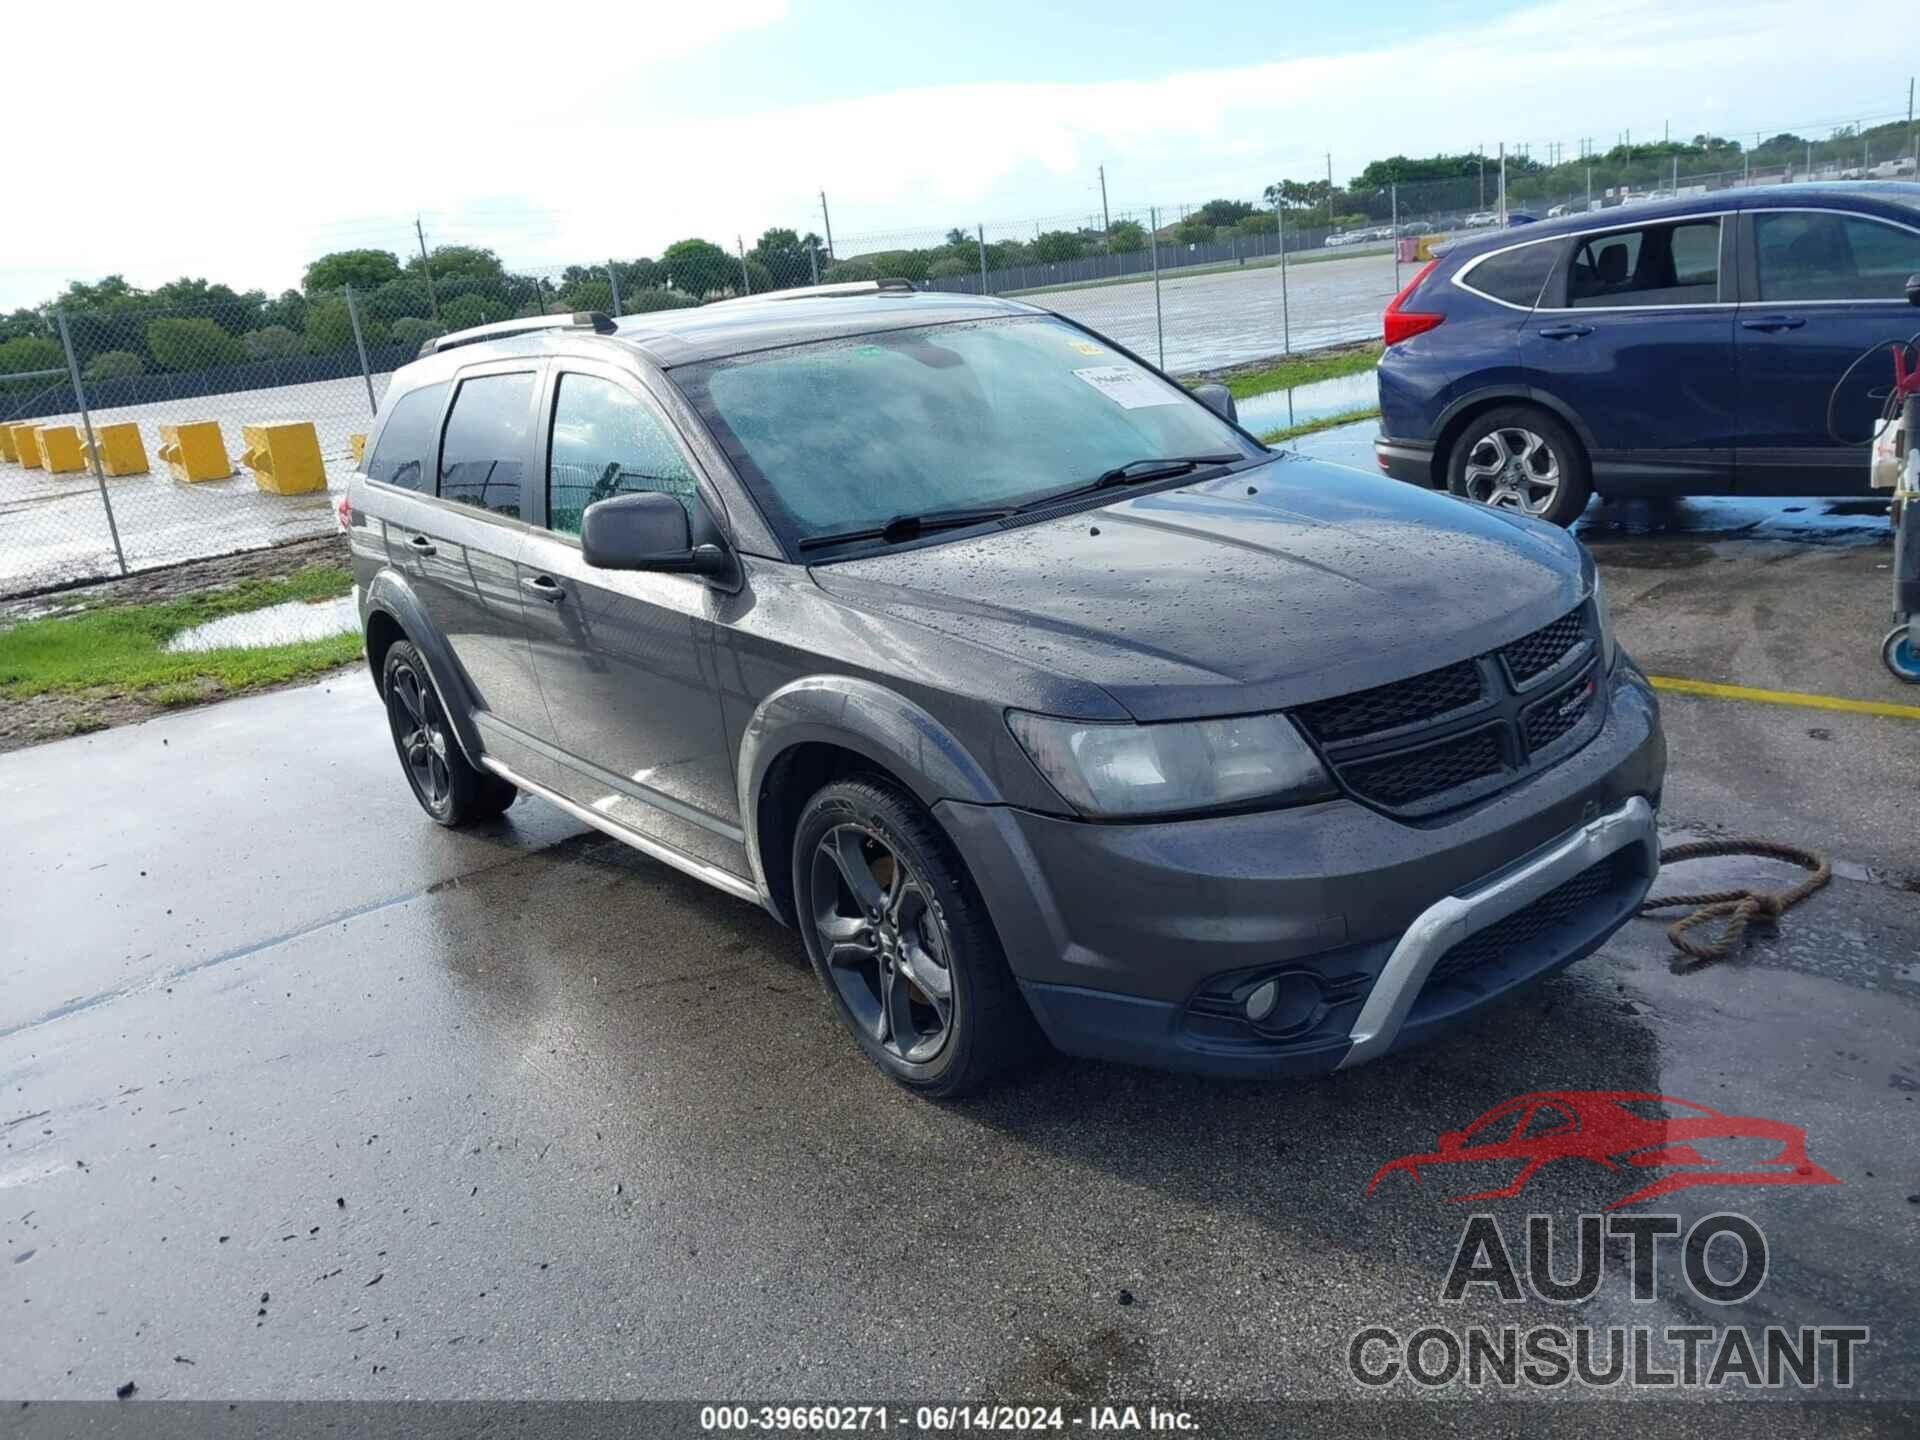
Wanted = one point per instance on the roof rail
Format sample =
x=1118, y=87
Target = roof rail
x=839, y=289
x=595, y=320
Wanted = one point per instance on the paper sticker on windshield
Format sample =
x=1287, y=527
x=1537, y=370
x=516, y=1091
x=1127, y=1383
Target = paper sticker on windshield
x=1127, y=387
x=1085, y=347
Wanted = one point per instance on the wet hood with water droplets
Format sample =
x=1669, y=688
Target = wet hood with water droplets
x=1210, y=600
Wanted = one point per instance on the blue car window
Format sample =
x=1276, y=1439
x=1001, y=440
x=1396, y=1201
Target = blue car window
x=1671, y=264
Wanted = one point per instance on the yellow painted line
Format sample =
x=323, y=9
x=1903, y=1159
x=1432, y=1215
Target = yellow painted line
x=1784, y=697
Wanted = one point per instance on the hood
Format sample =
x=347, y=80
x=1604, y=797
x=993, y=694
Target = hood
x=1272, y=587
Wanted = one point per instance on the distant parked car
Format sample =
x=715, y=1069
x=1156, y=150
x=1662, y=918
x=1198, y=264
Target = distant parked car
x=1521, y=217
x=1480, y=219
x=1557, y=211
x=1685, y=349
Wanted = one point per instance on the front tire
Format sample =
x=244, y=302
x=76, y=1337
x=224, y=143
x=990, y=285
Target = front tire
x=449, y=788
x=899, y=935
x=1520, y=458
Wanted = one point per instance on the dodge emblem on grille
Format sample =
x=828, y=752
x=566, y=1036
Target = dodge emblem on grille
x=1576, y=701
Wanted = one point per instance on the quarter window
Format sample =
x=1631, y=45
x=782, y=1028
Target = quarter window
x=607, y=441
x=1676, y=264
x=483, y=454
x=406, y=441
x=1514, y=276
x=1811, y=255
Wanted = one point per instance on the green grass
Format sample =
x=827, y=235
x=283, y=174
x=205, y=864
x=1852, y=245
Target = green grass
x=119, y=647
x=1325, y=422
x=1302, y=370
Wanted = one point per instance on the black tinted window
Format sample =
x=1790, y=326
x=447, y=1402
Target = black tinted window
x=1516, y=276
x=606, y=441
x=1675, y=264
x=484, y=452
x=406, y=444
x=1813, y=255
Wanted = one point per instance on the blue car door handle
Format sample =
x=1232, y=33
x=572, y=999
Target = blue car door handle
x=1771, y=323
x=1565, y=332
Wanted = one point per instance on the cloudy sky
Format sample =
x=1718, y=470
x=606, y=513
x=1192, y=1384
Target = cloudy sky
x=239, y=141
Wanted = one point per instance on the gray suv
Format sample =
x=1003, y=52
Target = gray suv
x=1039, y=697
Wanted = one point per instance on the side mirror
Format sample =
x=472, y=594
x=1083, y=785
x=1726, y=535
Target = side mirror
x=1913, y=289
x=645, y=531
x=1217, y=398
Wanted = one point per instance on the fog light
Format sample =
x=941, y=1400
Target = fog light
x=1286, y=1002
x=1260, y=1002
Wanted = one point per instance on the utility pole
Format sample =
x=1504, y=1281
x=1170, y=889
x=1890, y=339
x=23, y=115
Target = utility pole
x=1329, y=190
x=746, y=280
x=827, y=220
x=1503, y=184
x=1483, y=179
x=426, y=266
x=1106, y=217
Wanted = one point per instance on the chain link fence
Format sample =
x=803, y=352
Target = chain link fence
x=138, y=431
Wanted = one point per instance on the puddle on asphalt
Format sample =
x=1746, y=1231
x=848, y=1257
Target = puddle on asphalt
x=1809, y=521
x=274, y=625
x=1279, y=409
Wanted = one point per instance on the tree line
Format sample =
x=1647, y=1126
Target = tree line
x=193, y=324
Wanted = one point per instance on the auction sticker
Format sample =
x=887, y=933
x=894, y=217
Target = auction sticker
x=1127, y=387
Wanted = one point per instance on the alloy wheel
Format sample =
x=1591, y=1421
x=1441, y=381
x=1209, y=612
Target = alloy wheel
x=885, y=945
x=420, y=733
x=1513, y=469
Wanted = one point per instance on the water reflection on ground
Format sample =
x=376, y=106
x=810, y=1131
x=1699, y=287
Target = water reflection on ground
x=274, y=625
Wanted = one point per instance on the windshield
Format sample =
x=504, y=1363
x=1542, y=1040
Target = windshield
x=846, y=434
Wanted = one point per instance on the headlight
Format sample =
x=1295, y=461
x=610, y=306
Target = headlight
x=1600, y=613
x=1119, y=770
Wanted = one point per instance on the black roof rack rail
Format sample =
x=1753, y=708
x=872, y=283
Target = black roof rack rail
x=597, y=321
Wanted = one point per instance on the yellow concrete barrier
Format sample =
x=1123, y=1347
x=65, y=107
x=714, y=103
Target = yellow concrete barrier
x=193, y=451
x=1423, y=248
x=60, y=448
x=8, y=450
x=26, y=449
x=120, y=448
x=357, y=442
x=284, y=457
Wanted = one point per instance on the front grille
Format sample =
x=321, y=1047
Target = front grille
x=1387, y=707
x=1450, y=737
x=1535, y=654
x=1412, y=775
x=1530, y=923
x=1552, y=718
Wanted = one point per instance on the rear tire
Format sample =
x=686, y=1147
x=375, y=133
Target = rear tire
x=1521, y=458
x=900, y=937
x=449, y=788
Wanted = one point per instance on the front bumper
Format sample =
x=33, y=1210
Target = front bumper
x=1408, y=460
x=1143, y=942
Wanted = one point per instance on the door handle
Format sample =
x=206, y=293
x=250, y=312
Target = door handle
x=1565, y=332
x=1771, y=323
x=421, y=545
x=545, y=587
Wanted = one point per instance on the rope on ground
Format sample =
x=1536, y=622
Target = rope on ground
x=1737, y=907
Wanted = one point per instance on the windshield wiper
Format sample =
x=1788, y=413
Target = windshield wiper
x=1135, y=472
x=906, y=527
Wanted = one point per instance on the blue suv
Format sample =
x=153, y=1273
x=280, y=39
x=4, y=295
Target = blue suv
x=1686, y=348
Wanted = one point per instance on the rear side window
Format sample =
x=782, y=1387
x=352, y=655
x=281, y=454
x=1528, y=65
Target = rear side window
x=1676, y=264
x=406, y=444
x=483, y=456
x=606, y=442
x=1813, y=255
x=1514, y=276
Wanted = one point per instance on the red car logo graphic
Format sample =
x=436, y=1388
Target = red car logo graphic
x=1625, y=1131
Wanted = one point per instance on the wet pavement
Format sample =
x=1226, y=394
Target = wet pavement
x=327, y=1101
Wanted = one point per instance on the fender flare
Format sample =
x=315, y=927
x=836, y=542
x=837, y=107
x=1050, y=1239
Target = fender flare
x=1514, y=393
x=391, y=594
x=868, y=719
